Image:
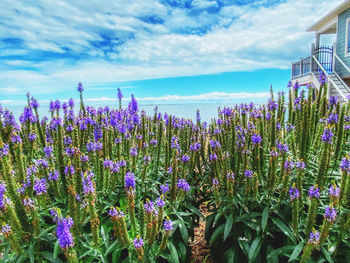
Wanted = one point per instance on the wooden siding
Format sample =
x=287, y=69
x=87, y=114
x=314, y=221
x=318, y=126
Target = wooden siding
x=341, y=36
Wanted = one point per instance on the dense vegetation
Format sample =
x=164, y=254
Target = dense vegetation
x=116, y=185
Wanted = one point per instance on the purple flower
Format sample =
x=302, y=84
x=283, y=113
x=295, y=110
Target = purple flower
x=230, y=176
x=16, y=139
x=213, y=157
x=215, y=182
x=215, y=144
x=183, y=185
x=138, y=242
x=288, y=165
x=256, y=138
x=327, y=136
x=334, y=191
x=31, y=137
x=300, y=165
x=148, y=206
x=2, y=188
x=164, y=188
x=283, y=148
x=34, y=103
x=330, y=214
x=6, y=230
x=64, y=236
x=133, y=151
x=80, y=87
x=185, y=158
x=69, y=170
x=333, y=118
x=345, y=164
x=198, y=116
x=272, y=105
x=333, y=100
x=323, y=78
x=4, y=150
x=53, y=176
x=160, y=202
x=293, y=193
x=120, y=94
x=28, y=203
x=130, y=180
x=168, y=225
x=40, y=186
x=116, y=213
x=314, y=192
x=314, y=237
x=248, y=173
x=88, y=185
x=48, y=151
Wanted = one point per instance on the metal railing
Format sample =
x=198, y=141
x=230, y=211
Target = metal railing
x=329, y=79
x=301, y=67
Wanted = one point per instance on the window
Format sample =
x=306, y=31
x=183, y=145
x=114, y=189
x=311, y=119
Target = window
x=347, y=38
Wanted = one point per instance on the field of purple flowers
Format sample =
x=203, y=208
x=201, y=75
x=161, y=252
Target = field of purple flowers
x=116, y=185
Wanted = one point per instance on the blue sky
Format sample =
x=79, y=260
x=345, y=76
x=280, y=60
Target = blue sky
x=160, y=50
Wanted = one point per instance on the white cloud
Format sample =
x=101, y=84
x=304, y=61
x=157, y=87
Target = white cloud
x=237, y=38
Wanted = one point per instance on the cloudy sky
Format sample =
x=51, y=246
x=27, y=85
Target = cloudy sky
x=156, y=49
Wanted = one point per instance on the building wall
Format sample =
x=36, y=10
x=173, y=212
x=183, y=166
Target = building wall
x=340, y=49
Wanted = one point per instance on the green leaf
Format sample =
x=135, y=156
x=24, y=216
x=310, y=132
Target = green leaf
x=184, y=232
x=296, y=251
x=327, y=255
x=173, y=252
x=284, y=228
x=280, y=251
x=31, y=253
x=228, y=226
x=56, y=250
x=111, y=247
x=115, y=256
x=217, y=233
x=254, y=249
x=48, y=256
x=264, y=218
x=209, y=226
x=230, y=255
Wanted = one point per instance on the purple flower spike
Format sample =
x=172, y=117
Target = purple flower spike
x=314, y=237
x=334, y=191
x=327, y=136
x=40, y=186
x=160, y=202
x=149, y=207
x=130, y=180
x=183, y=185
x=248, y=173
x=168, y=225
x=293, y=193
x=138, y=242
x=64, y=236
x=164, y=188
x=88, y=185
x=314, y=192
x=80, y=87
x=330, y=214
x=256, y=138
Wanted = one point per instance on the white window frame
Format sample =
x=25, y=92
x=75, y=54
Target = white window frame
x=347, y=52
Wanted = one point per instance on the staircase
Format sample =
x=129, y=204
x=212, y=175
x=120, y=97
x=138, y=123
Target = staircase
x=337, y=87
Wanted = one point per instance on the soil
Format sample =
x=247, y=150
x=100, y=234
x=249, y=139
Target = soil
x=200, y=248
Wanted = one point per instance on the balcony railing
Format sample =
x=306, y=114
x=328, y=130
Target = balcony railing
x=301, y=68
x=306, y=66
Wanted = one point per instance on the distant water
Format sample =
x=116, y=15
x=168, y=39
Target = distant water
x=208, y=110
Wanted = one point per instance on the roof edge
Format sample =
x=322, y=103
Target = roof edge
x=329, y=16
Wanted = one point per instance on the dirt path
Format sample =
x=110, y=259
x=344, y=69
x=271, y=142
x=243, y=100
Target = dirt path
x=200, y=249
